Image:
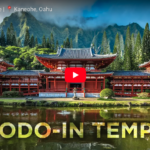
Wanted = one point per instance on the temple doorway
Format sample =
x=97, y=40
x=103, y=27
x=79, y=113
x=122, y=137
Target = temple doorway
x=77, y=85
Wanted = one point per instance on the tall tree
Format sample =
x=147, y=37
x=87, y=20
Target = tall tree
x=122, y=46
x=132, y=41
x=14, y=41
x=52, y=44
x=67, y=44
x=71, y=44
x=104, y=45
x=32, y=42
x=36, y=41
x=57, y=45
x=19, y=42
x=127, y=64
x=3, y=40
x=12, y=33
x=146, y=44
x=8, y=40
x=137, y=54
x=116, y=65
x=27, y=38
x=47, y=43
x=44, y=42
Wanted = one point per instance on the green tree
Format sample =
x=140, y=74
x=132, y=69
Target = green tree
x=36, y=41
x=27, y=38
x=67, y=43
x=8, y=41
x=127, y=64
x=137, y=54
x=122, y=46
x=14, y=41
x=18, y=63
x=104, y=45
x=32, y=42
x=146, y=44
x=12, y=33
x=3, y=40
x=57, y=45
x=71, y=44
x=52, y=44
x=19, y=42
x=47, y=43
x=44, y=42
x=116, y=65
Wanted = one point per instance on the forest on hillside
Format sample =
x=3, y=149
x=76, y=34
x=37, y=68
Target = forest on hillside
x=131, y=52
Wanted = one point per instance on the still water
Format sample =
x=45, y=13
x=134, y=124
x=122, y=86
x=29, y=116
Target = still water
x=55, y=117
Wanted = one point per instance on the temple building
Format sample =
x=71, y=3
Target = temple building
x=52, y=83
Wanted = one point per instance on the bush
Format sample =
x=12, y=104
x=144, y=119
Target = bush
x=143, y=95
x=12, y=94
x=107, y=93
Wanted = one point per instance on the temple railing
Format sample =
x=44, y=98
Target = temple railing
x=19, y=81
x=131, y=81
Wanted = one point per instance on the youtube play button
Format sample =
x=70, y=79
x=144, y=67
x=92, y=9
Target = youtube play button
x=75, y=75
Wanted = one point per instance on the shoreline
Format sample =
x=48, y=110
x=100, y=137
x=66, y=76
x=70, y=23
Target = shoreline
x=87, y=102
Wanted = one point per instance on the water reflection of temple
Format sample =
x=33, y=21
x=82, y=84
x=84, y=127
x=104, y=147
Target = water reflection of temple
x=71, y=115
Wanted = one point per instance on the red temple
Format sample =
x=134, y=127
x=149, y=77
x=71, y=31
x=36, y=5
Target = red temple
x=52, y=83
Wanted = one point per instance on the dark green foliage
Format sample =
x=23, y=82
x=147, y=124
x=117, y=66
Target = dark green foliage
x=137, y=53
x=127, y=63
x=146, y=44
x=52, y=44
x=8, y=41
x=12, y=94
x=109, y=93
x=36, y=41
x=117, y=64
x=44, y=42
x=32, y=42
x=27, y=38
x=71, y=44
x=105, y=47
x=3, y=40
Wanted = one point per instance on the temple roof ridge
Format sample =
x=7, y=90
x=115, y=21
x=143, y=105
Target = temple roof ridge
x=2, y=60
x=75, y=53
x=143, y=64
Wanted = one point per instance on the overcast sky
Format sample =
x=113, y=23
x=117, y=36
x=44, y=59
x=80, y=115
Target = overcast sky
x=86, y=13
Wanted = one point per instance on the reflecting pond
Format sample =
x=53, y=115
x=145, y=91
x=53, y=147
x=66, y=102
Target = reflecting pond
x=56, y=116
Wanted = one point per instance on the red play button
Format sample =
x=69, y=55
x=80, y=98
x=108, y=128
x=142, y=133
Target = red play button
x=75, y=75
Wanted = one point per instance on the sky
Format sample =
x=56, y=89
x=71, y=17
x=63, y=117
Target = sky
x=85, y=13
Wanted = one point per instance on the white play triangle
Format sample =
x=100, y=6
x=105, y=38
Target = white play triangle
x=75, y=75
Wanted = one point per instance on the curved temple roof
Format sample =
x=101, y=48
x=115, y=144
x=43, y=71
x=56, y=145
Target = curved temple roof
x=7, y=63
x=75, y=53
x=144, y=64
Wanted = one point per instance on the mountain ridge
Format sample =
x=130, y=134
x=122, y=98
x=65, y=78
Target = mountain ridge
x=81, y=37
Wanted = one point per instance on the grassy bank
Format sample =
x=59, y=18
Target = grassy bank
x=71, y=103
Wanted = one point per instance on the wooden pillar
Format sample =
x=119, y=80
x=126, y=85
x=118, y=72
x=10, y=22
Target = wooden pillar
x=19, y=85
x=142, y=88
x=10, y=84
x=104, y=83
x=83, y=89
x=46, y=83
x=96, y=83
x=28, y=84
x=54, y=83
x=132, y=90
x=38, y=85
x=122, y=89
